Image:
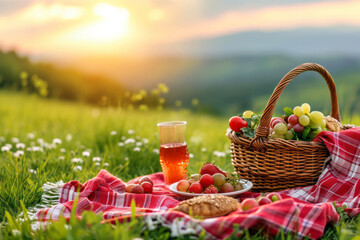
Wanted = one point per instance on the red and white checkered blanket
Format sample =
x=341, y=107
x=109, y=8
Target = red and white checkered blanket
x=340, y=180
x=304, y=211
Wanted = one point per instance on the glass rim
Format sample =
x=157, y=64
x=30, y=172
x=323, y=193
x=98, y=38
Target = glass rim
x=171, y=123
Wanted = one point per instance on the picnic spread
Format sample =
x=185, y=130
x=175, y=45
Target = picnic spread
x=304, y=211
x=308, y=165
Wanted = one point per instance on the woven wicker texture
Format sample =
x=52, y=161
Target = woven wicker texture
x=277, y=164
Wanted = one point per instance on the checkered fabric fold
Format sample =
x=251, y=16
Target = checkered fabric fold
x=303, y=211
x=340, y=180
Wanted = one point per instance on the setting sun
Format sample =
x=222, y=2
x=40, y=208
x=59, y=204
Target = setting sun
x=111, y=23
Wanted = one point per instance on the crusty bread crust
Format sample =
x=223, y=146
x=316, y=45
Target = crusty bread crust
x=208, y=206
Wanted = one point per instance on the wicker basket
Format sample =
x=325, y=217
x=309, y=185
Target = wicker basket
x=277, y=164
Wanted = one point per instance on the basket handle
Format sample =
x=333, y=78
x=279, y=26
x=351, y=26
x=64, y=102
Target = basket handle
x=262, y=131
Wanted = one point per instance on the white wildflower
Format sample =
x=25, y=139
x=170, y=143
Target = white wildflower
x=113, y=133
x=86, y=154
x=96, y=159
x=203, y=149
x=36, y=149
x=137, y=149
x=30, y=135
x=156, y=151
x=121, y=166
x=15, y=140
x=77, y=168
x=62, y=150
x=191, y=155
x=20, y=145
x=130, y=131
x=33, y=171
x=8, y=145
x=40, y=141
x=5, y=149
x=28, y=149
x=126, y=159
x=16, y=232
x=97, y=164
x=130, y=140
x=219, y=154
x=146, y=141
x=18, y=153
x=68, y=137
x=2, y=139
x=57, y=141
x=49, y=145
x=139, y=144
x=106, y=164
x=121, y=144
x=77, y=160
x=61, y=158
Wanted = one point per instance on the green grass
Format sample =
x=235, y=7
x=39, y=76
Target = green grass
x=92, y=129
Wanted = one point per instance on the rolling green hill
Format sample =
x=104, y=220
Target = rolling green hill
x=223, y=85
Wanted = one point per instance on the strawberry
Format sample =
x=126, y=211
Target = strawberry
x=146, y=179
x=211, y=169
x=206, y=180
x=211, y=190
x=195, y=188
x=137, y=189
x=148, y=187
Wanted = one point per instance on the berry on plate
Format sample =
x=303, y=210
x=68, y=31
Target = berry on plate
x=206, y=180
x=211, y=190
x=211, y=169
x=195, y=188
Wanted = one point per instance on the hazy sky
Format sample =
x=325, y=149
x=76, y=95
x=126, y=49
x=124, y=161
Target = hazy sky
x=64, y=28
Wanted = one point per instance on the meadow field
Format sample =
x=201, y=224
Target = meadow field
x=45, y=140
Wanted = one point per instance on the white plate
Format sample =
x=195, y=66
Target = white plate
x=247, y=185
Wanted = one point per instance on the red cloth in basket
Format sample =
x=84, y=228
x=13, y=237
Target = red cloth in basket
x=304, y=211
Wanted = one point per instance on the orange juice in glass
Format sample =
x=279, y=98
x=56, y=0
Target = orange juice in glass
x=174, y=155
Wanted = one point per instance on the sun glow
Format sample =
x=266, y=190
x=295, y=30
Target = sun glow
x=111, y=24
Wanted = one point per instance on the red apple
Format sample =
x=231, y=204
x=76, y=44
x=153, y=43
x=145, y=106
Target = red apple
x=249, y=203
x=264, y=201
x=129, y=187
x=183, y=186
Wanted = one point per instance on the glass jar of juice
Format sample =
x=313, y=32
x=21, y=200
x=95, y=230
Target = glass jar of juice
x=174, y=155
